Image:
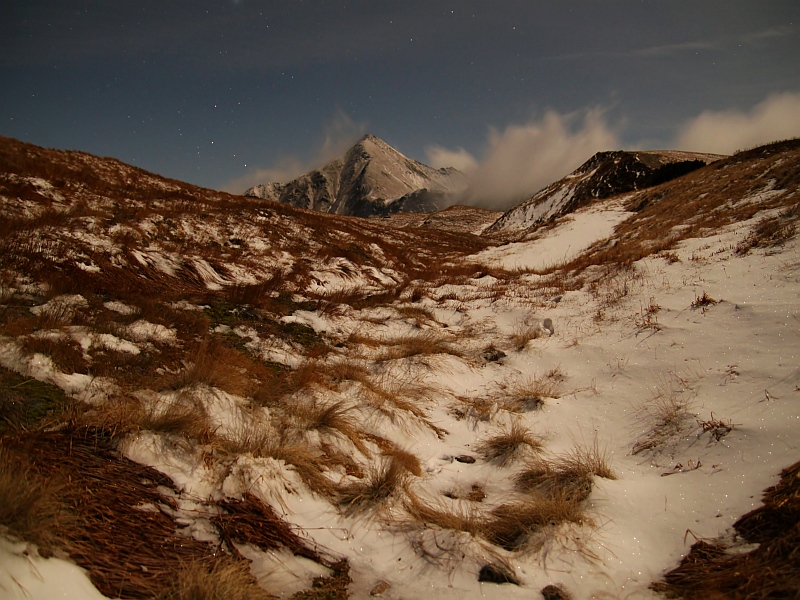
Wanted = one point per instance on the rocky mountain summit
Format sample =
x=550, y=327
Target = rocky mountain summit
x=371, y=179
x=604, y=175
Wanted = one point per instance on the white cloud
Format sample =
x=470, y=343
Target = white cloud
x=284, y=170
x=724, y=132
x=439, y=157
x=522, y=159
x=338, y=135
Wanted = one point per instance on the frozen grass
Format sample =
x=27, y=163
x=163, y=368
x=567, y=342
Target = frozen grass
x=512, y=443
x=383, y=481
x=665, y=416
x=769, y=569
x=771, y=231
x=29, y=504
x=530, y=393
x=334, y=418
x=409, y=346
x=527, y=524
x=523, y=332
x=224, y=580
x=445, y=515
x=473, y=409
x=569, y=475
x=184, y=417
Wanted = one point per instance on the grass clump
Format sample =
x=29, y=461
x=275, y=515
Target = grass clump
x=226, y=579
x=409, y=346
x=381, y=482
x=29, y=507
x=568, y=476
x=665, y=416
x=771, y=231
x=527, y=523
x=529, y=394
x=27, y=404
x=335, y=418
x=513, y=442
x=522, y=333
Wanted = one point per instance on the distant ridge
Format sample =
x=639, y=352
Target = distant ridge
x=604, y=175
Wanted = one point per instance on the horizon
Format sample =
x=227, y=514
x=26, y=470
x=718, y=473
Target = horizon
x=226, y=95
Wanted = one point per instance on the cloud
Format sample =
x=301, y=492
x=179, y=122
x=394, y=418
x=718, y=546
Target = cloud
x=724, y=132
x=284, y=170
x=337, y=137
x=522, y=159
x=440, y=157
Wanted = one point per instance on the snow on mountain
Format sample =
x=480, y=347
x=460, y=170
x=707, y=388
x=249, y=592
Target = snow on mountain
x=372, y=178
x=605, y=174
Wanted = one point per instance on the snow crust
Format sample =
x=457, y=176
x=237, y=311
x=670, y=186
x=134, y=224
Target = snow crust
x=736, y=360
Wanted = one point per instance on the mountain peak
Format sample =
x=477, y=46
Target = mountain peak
x=372, y=178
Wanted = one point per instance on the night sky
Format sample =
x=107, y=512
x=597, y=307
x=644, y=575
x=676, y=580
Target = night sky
x=227, y=93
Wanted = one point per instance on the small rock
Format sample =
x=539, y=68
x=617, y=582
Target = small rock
x=465, y=458
x=492, y=354
x=497, y=574
x=547, y=325
x=379, y=589
x=554, y=592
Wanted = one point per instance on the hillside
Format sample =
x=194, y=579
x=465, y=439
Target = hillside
x=200, y=389
x=371, y=179
x=604, y=175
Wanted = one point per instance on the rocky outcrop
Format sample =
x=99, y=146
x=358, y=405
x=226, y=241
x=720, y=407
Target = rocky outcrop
x=604, y=175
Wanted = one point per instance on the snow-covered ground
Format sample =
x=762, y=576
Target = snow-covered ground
x=639, y=339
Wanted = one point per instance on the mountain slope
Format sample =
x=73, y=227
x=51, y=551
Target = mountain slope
x=367, y=410
x=372, y=178
x=604, y=175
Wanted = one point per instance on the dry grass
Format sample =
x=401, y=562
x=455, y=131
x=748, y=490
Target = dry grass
x=217, y=365
x=665, y=416
x=512, y=443
x=527, y=524
x=527, y=394
x=771, y=570
x=29, y=504
x=335, y=418
x=453, y=516
x=308, y=465
x=523, y=332
x=409, y=346
x=703, y=302
x=568, y=476
x=183, y=417
x=474, y=409
x=384, y=480
x=771, y=231
x=226, y=579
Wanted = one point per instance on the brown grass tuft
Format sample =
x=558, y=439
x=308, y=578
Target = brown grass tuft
x=529, y=393
x=333, y=418
x=523, y=332
x=29, y=505
x=512, y=443
x=568, y=476
x=382, y=481
x=446, y=515
x=526, y=524
x=225, y=579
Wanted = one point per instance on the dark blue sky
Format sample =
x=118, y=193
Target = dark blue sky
x=209, y=91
